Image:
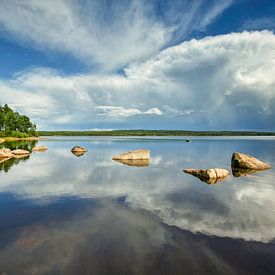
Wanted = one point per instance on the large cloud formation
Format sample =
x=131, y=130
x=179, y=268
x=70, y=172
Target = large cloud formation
x=221, y=82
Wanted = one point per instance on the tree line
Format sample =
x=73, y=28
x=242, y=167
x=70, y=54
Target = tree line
x=14, y=124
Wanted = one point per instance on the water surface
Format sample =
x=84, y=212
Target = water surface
x=63, y=214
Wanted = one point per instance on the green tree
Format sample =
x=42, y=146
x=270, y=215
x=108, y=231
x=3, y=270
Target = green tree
x=15, y=124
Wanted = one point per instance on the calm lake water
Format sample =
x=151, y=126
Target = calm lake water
x=63, y=214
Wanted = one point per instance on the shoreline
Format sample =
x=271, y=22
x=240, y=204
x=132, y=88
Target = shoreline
x=4, y=139
x=157, y=133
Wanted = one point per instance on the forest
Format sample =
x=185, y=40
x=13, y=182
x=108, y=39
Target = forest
x=13, y=124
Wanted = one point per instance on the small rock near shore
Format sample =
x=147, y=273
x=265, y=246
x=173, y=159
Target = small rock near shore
x=5, y=153
x=243, y=161
x=133, y=155
x=20, y=152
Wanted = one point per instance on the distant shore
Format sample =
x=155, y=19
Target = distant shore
x=154, y=133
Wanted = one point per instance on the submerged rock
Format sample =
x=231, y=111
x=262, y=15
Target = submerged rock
x=39, y=149
x=208, y=175
x=5, y=153
x=243, y=161
x=134, y=155
x=20, y=152
x=134, y=162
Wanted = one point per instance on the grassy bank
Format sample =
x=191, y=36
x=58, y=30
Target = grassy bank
x=154, y=133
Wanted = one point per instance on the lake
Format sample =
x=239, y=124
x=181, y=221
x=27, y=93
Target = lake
x=63, y=214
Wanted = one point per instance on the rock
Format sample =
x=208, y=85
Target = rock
x=5, y=153
x=133, y=155
x=79, y=149
x=20, y=152
x=188, y=140
x=134, y=162
x=208, y=175
x=39, y=149
x=243, y=161
x=2, y=140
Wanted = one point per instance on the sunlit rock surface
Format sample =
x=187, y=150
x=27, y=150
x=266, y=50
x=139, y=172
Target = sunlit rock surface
x=208, y=175
x=243, y=161
x=20, y=152
x=134, y=162
x=2, y=140
x=133, y=155
x=5, y=153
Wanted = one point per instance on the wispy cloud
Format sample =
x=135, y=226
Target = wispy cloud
x=110, y=34
x=113, y=111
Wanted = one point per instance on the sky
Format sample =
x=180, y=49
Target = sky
x=139, y=64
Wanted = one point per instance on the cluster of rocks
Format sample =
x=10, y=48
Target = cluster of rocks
x=6, y=153
x=241, y=165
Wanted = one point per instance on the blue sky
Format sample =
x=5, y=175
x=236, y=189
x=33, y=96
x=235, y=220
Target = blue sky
x=130, y=64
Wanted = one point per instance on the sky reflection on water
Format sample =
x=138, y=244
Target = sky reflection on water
x=75, y=207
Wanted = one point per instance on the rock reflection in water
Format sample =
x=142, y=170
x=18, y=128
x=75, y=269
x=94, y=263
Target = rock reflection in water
x=6, y=164
x=244, y=172
x=78, y=154
x=134, y=162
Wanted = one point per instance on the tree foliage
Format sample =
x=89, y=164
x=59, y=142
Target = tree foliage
x=14, y=124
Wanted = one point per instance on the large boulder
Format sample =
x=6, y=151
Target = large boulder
x=5, y=153
x=243, y=161
x=2, y=140
x=133, y=155
x=39, y=149
x=18, y=152
x=208, y=175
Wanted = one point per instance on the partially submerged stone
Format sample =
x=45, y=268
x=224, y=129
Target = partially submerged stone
x=79, y=149
x=210, y=176
x=5, y=153
x=243, y=161
x=188, y=140
x=134, y=162
x=39, y=149
x=134, y=155
x=20, y=152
